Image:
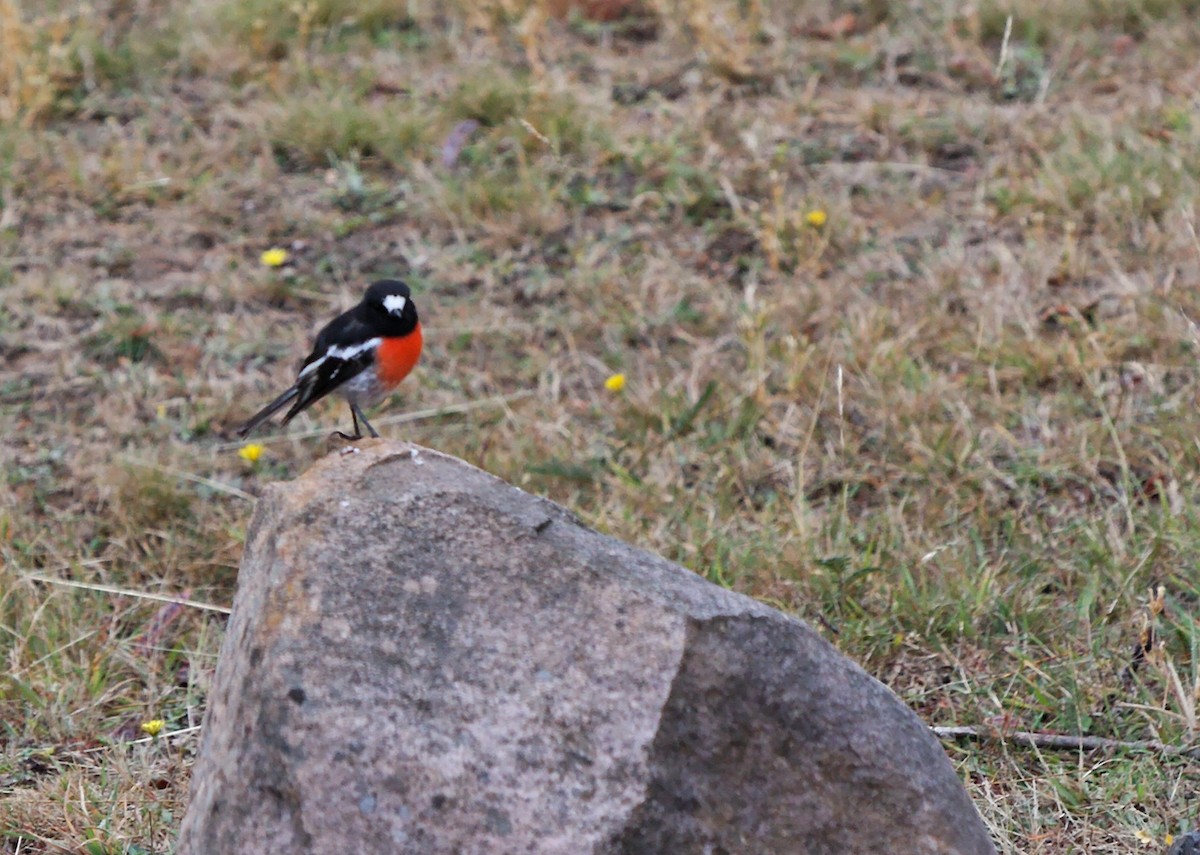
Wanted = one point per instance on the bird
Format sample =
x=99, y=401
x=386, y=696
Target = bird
x=362, y=354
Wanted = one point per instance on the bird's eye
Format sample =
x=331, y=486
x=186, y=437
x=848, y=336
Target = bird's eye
x=394, y=304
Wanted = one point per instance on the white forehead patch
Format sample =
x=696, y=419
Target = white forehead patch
x=394, y=303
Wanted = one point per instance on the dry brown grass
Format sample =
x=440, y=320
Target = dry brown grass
x=953, y=425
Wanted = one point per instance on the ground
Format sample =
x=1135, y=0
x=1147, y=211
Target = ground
x=902, y=296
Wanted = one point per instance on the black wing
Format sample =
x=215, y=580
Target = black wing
x=342, y=350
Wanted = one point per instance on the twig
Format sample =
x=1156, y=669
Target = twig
x=1030, y=739
x=18, y=672
x=219, y=486
x=125, y=592
x=896, y=165
x=538, y=135
x=731, y=195
x=1004, y=45
x=183, y=731
x=414, y=416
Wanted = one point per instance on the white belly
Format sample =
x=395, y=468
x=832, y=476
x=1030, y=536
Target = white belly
x=363, y=389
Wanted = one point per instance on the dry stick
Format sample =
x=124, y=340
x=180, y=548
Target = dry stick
x=19, y=671
x=166, y=734
x=1063, y=741
x=125, y=592
x=895, y=165
x=414, y=416
x=219, y=486
x=1004, y=52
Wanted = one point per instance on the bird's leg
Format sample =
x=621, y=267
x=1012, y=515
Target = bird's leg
x=357, y=429
x=358, y=414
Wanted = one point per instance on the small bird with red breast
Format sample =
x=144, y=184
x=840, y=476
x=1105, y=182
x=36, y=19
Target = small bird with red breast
x=362, y=354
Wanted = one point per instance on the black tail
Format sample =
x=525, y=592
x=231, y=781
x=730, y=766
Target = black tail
x=268, y=411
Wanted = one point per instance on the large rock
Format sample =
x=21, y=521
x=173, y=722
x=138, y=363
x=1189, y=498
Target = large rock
x=424, y=659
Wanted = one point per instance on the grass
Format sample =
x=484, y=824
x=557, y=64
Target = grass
x=951, y=423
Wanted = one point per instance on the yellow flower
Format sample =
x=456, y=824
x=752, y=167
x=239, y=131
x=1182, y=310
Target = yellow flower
x=274, y=257
x=250, y=452
x=153, y=727
x=816, y=218
x=615, y=383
